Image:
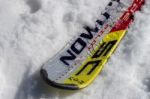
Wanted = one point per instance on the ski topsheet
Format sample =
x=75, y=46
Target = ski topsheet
x=78, y=64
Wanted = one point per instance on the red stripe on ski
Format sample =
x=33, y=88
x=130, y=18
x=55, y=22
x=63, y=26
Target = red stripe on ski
x=128, y=17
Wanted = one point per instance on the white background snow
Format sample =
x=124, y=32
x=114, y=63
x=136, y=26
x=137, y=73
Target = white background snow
x=32, y=31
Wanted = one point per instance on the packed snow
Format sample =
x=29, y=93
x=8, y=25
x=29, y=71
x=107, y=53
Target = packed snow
x=33, y=31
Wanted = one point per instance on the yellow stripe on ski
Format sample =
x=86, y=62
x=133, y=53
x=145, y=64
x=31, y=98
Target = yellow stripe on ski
x=86, y=73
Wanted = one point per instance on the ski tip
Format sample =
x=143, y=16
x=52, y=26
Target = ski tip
x=76, y=67
x=44, y=75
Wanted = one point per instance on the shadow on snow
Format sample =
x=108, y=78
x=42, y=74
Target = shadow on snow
x=33, y=87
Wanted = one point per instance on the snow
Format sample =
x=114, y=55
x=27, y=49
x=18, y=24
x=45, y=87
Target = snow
x=32, y=31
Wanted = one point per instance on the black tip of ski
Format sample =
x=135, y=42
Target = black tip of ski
x=44, y=75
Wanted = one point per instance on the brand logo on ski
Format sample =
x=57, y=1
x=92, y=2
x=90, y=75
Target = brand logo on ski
x=78, y=46
x=102, y=51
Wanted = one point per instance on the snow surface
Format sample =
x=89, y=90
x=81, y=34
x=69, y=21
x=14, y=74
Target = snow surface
x=32, y=31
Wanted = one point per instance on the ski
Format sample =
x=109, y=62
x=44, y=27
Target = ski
x=78, y=64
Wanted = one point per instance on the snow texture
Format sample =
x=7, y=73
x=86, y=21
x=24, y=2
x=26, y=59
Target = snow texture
x=32, y=31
